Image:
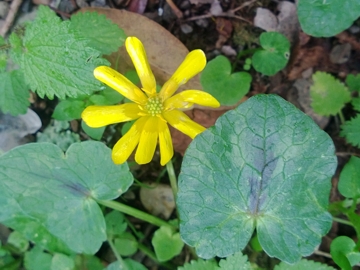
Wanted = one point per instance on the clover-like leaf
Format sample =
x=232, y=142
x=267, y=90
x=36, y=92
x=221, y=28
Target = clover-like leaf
x=167, y=244
x=103, y=34
x=302, y=265
x=218, y=81
x=324, y=18
x=349, y=184
x=14, y=93
x=274, y=54
x=328, y=94
x=54, y=60
x=266, y=166
x=40, y=183
x=351, y=130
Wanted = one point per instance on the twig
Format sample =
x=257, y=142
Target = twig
x=175, y=9
x=10, y=17
x=243, y=5
x=344, y=154
x=223, y=14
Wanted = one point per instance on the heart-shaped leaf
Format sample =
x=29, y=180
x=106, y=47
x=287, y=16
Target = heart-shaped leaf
x=167, y=244
x=264, y=165
x=321, y=18
x=342, y=250
x=274, y=55
x=38, y=183
x=218, y=81
x=349, y=184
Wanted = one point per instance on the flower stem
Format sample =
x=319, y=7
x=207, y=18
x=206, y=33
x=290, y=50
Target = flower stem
x=343, y=221
x=135, y=213
x=172, y=177
x=117, y=255
x=342, y=118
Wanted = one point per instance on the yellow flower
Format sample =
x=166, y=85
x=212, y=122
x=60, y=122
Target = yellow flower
x=151, y=109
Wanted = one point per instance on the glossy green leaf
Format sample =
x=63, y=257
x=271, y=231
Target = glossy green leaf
x=68, y=109
x=324, y=18
x=39, y=182
x=167, y=244
x=237, y=261
x=200, y=265
x=342, y=250
x=62, y=262
x=351, y=131
x=353, y=82
x=328, y=94
x=266, y=166
x=274, y=55
x=228, y=88
x=303, y=265
x=14, y=93
x=55, y=61
x=126, y=244
x=94, y=133
x=102, y=34
x=349, y=184
x=37, y=259
x=19, y=241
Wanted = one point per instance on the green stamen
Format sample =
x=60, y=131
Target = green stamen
x=154, y=106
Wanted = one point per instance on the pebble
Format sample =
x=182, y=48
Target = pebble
x=186, y=28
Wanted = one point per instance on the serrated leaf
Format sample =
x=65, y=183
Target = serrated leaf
x=349, y=184
x=351, y=131
x=321, y=18
x=328, y=94
x=167, y=244
x=199, y=265
x=54, y=61
x=274, y=55
x=237, y=261
x=218, y=81
x=303, y=265
x=62, y=262
x=68, y=109
x=102, y=34
x=356, y=104
x=38, y=181
x=264, y=165
x=14, y=93
x=37, y=259
x=353, y=82
x=342, y=249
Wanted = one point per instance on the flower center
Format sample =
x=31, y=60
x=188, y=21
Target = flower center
x=154, y=106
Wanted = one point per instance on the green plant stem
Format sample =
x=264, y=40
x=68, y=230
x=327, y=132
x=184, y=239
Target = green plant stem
x=343, y=221
x=117, y=255
x=135, y=213
x=172, y=177
x=341, y=116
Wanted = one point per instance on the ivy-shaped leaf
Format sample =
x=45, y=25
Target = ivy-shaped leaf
x=324, y=18
x=274, y=54
x=103, y=35
x=218, y=81
x=14, y=93
x=39, y=182
x=266, y=166
x=55, y=61
x=328, y=94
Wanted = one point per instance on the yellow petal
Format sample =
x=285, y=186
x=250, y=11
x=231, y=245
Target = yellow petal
x=126, y=145
x=182, y=122
x=148, y=141
x=137, y=53
x=99, y=116
x=186, y=98
x=194, y=62
x=165, y=142
x=118, y=82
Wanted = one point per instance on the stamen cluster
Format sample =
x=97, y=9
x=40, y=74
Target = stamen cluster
x=154, y=106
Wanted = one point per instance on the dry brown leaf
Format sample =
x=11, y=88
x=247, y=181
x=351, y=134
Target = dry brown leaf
x=165, y=52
